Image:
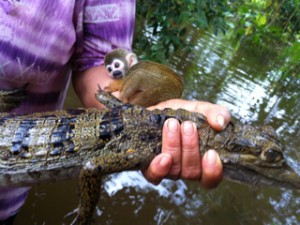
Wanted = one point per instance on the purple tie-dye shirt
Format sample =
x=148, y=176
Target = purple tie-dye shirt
x=42, y=41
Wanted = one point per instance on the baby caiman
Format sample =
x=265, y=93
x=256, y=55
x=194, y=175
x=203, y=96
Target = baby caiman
x=53, y=146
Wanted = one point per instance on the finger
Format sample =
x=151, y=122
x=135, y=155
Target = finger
x=174, y=104
x=191, y=161
x=159, y=168
x=212, y=169
x=217, y=116
x=171, y=144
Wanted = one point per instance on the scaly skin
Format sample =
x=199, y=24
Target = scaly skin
x=46, y=147
x=10, y=99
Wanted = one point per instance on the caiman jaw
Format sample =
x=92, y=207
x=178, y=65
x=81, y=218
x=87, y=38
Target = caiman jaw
x=247, y=169
x=255, y=156
x=284, y=176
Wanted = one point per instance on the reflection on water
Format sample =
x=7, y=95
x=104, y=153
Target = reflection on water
x=253, y=90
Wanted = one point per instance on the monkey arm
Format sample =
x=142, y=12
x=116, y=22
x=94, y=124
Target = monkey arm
x=113, y=86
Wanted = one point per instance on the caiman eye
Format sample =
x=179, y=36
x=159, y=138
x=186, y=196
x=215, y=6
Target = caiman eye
x=272, y=156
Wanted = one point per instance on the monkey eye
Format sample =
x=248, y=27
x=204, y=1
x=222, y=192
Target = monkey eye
x=117, y=65
x=109, y=69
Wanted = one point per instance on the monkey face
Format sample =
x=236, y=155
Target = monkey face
x=118, y=62
x=116, y=69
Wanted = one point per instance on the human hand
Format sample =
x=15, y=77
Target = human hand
x=180, y=157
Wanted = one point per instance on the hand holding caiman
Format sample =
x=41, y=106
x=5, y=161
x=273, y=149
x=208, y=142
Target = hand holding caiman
x=53, y=146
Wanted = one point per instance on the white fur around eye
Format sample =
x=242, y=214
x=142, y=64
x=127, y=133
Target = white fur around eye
x=117, y=64
x=109, y=68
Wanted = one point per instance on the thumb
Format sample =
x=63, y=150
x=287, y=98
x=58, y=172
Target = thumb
x=159, y=168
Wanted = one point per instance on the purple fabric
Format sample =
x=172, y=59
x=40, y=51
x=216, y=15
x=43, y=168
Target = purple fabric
x=42, y=41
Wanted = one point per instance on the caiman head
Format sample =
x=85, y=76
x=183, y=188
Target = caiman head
x=254, y=155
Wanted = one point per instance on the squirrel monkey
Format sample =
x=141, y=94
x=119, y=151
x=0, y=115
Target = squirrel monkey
x=143, y=83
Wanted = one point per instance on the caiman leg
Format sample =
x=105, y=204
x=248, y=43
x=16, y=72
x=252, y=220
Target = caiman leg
x=90, y=177
x=10, y=99
x=89, y=185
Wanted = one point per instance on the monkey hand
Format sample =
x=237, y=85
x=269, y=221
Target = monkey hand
x=113, y=86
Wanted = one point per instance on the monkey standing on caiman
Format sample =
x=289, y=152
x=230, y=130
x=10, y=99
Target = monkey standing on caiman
x=143, y=83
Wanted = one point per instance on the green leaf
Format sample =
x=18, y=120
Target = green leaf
x=261, y=20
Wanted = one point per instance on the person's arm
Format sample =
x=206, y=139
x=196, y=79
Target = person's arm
x=101, y=27
x=180, y=156
x=86, y=85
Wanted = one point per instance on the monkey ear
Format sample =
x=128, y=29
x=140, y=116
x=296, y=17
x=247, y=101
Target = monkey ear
x=131, y=58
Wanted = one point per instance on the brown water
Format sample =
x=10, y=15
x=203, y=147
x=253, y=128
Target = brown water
x=243, y=80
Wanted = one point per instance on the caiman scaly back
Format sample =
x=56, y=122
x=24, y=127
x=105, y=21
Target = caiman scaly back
x=47, y=147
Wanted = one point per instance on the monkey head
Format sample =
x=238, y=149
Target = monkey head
x=118, y=62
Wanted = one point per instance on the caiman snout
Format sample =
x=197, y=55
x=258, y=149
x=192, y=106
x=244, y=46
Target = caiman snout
x=255, y=155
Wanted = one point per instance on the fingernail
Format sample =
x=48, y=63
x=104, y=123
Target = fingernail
x=211, y=157
x=221, y=121
x=172, y=125
x=188, y=128
x=164, y=161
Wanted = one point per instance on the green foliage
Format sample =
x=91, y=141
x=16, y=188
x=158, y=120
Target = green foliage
x=265, y=22
x=162, y=26
x=291, y=60
x=270, y=25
